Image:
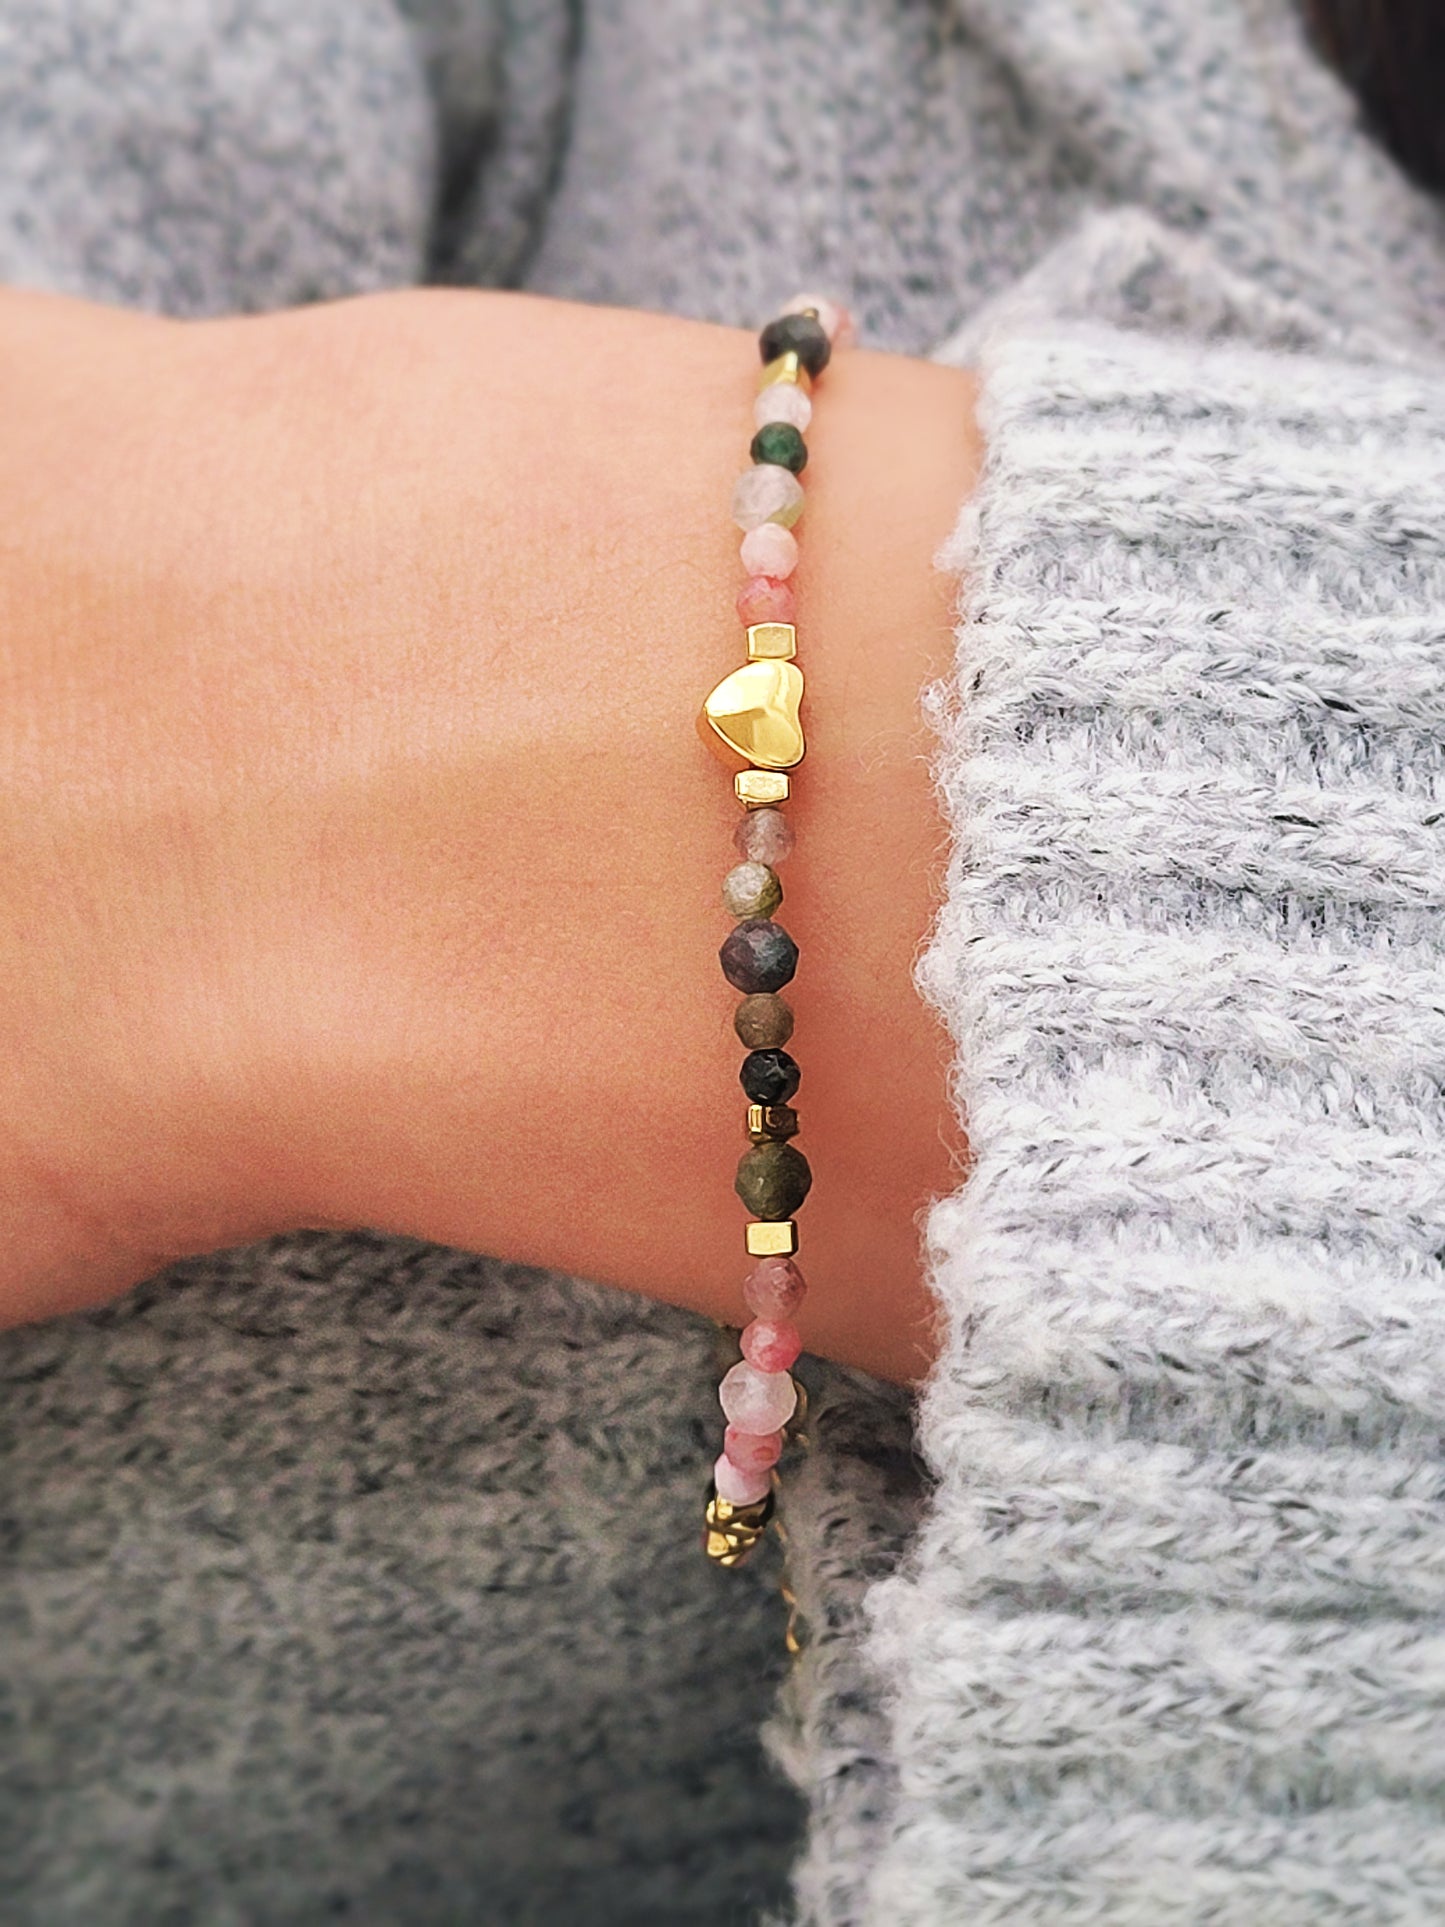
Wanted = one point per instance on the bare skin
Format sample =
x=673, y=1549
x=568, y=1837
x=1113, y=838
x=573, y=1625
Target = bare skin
x=358, y=860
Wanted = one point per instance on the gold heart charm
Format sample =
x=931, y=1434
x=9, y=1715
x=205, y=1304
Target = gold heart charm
x=752, y=716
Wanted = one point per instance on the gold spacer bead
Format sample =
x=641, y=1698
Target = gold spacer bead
x=769, y=1239
x=772, y=640
x=786, y=368
x=758, y=789
x=768, y=1121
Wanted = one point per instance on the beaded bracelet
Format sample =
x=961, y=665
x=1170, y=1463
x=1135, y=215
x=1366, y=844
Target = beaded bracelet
x=751, y=720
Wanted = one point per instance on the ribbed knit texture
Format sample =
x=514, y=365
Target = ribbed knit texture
x=311, y=1608
x=1168, y=1648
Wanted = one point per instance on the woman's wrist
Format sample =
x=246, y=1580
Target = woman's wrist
x=390, y=670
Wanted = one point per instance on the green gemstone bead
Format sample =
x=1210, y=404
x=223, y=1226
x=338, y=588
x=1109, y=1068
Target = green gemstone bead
x=763, y=1021
x=782, y=445
x=773, y=1179
x=751, y=890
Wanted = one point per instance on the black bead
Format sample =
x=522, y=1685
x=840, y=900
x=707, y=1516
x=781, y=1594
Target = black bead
x=796, y=334
x=758, y=955
x=770, y=1076
x=781, y=444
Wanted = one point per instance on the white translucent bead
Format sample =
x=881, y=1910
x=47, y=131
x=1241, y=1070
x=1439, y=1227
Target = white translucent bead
x=782, y=401
x=767, y=493
x=833, y=318
x=757, y=1401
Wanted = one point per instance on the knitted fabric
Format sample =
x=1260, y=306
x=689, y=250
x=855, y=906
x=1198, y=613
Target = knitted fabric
x=1167, y=1646
x=1153, y=1641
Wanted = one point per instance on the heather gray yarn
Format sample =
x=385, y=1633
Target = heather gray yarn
x=309, y=1606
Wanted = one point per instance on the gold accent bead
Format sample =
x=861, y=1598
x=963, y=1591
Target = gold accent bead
x=759, y=789
x=734, y=1530
x=786, y=368
x=752, y=716
x=767, y=1238
x=770, y=640
x=767, y=1121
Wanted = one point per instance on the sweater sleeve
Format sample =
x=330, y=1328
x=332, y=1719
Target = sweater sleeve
x=1165, y=1646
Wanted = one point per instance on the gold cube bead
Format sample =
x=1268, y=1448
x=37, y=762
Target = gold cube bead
x=759, y=789
x=786, y=368
x=772, y=640
x=767, y=1121
x=766, y=1239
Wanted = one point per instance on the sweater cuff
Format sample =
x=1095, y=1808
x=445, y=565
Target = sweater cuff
x=1162, y=1645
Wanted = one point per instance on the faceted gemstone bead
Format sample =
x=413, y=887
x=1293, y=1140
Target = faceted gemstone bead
x=758, y=955
x=770, y=1076
x=780, y=442
x=797, y=334
x=764, y=599
x=738, y=1485
x=773, y=1179
x=763, y=1021
x=782, y=401
x=764, y=836
x=770, y=550
x=771, y=1345
x=753, y=1451
x=757, y=1401
x=774, y=1288
x=751, y=890
x=833, y=317
x=767, y=493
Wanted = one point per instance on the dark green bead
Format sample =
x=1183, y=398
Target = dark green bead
x=796, y=334
x=770, y=1076
x=773, y=1179
x=762, y=1021
x=781, y=444
x=758, y=955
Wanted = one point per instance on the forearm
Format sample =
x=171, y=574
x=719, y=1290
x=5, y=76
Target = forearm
x=379, y=631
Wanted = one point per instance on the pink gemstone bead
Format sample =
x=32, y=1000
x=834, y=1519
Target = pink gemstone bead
x=770, y=550
x=757, y=1401
x=753, y=1451
x=833, y=318
x=774, y=1288
x=764, y=836
x=738, y=1486
x=771, y=1345
x=782, y=401
x=761, y=599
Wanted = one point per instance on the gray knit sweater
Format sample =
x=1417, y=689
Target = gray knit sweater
x=309, y=1607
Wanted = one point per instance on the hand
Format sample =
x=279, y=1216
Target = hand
x=358, y=860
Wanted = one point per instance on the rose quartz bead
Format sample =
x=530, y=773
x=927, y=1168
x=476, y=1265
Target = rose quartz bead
x=764, y=836
x=770, y=550
x=753, y=1451
x=757, y=1401
x=833, y=318
x=767, y=493
x=771, y=1346
x=762, y=599
x=782, y=401
x=774, y=1288
x=739, y=1486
